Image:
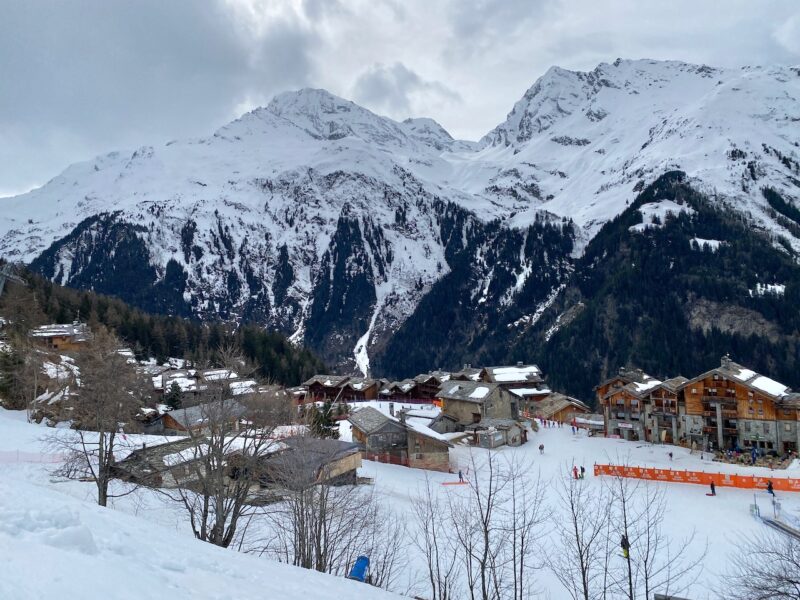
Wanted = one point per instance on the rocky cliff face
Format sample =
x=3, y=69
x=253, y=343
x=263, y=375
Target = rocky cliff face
x=357, y=234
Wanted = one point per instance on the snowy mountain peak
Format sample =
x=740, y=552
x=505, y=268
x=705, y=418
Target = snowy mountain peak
x=315, y=216
x=329, y=117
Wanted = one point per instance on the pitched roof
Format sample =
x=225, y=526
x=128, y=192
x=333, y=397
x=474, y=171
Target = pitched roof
x=467, y=391
x=195, y=416
x=360, y=383
x=513, y=374
x=368, y=419
x=327, y=380
x=673, y=384
x=76, y=330
x=557, y=402
x=736, y=372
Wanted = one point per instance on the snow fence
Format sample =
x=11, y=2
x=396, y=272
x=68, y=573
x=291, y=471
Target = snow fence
x=784, y=484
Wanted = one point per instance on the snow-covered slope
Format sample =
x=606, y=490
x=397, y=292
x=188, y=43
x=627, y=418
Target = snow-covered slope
x=58, y=546
x=328, y=222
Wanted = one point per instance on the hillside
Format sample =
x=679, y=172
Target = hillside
x=355, y=233
x=155, y=336
x=58, y=546
x=670, y=285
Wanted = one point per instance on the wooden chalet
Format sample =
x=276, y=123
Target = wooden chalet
x=359, y=389
x=200, y=416
x=558, y=407
x=62, y=338
x=623, y=403
x=323, y=388
x=732, y=406
x=406, y=389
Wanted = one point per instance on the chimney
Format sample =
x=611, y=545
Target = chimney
x=725, y=362
x=519, y=363
x=402, y=416
x=391, y=408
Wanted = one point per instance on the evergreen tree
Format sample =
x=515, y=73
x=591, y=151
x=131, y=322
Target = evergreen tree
x=322, y=422
x=174, y=397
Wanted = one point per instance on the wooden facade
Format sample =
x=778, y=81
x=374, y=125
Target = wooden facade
x=728, y=407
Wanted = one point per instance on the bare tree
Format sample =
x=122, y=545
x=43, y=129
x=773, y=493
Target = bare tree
x=443, y=569
x=495, y=525
x=654, y=563
x=229, y=440
x=580, y=562
x=110, y=395
x=322, y=526
x=765, y=567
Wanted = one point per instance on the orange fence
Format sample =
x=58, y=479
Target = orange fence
x=700, y=477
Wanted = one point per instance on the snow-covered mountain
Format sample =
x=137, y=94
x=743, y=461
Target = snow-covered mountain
x=321, y=219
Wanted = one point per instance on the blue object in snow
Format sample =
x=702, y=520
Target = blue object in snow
x=359, y=570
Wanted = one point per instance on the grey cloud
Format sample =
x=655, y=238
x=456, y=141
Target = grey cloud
x=397, y=90
x=80, y=78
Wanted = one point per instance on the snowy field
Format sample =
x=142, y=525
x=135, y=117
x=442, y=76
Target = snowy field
x=55, y=543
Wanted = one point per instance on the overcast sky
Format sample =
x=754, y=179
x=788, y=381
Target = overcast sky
x=85, y=77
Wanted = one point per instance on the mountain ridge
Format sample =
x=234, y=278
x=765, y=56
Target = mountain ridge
x=318, y=218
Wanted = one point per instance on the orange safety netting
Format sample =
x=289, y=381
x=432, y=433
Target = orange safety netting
x=700, y=477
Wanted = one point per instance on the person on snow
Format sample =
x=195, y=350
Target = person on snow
x=541, y=448
x=575, y=471
x=670, y=456
x=770, y=489
x=460, y=476
x=713, y=489
x=583, y=472
x=626, y=546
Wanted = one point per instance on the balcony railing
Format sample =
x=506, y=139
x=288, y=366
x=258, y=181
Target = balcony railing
x=729, y=414
x=719, y=399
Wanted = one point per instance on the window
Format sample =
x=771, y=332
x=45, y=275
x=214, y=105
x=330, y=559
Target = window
x=694, y=390
x=761, y=412
x=766, y=427
x=787, y=426
x=747, y=427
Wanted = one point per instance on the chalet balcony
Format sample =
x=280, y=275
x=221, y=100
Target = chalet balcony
x=726, y=413
x=719, y=399
x=725, y=430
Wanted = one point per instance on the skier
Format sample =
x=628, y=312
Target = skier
x=670, y=456
x=541, y=448
x=575, y=471
x=583, y=472
x=460, y=476
x=770, y=489
x=713, y=489
x=625, y=546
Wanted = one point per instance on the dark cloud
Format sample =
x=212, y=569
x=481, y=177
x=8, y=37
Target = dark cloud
x=398, y=91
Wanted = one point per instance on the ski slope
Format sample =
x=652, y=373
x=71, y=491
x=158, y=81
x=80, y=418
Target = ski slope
x=56, y=543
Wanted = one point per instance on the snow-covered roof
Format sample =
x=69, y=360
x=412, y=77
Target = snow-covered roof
x=77, y=331
x=468, y=391
x=523, y=392
x=513, y=374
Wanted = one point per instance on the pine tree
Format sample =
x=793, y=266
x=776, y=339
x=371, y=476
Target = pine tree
x=174, y=397
x=322, y=423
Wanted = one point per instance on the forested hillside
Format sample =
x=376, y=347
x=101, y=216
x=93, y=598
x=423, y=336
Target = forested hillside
x=672, y=295
x=154, y=335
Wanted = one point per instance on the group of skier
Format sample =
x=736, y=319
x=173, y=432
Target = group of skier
x=578, y=474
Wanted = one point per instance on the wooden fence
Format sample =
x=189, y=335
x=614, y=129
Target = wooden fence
x=784, y=484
